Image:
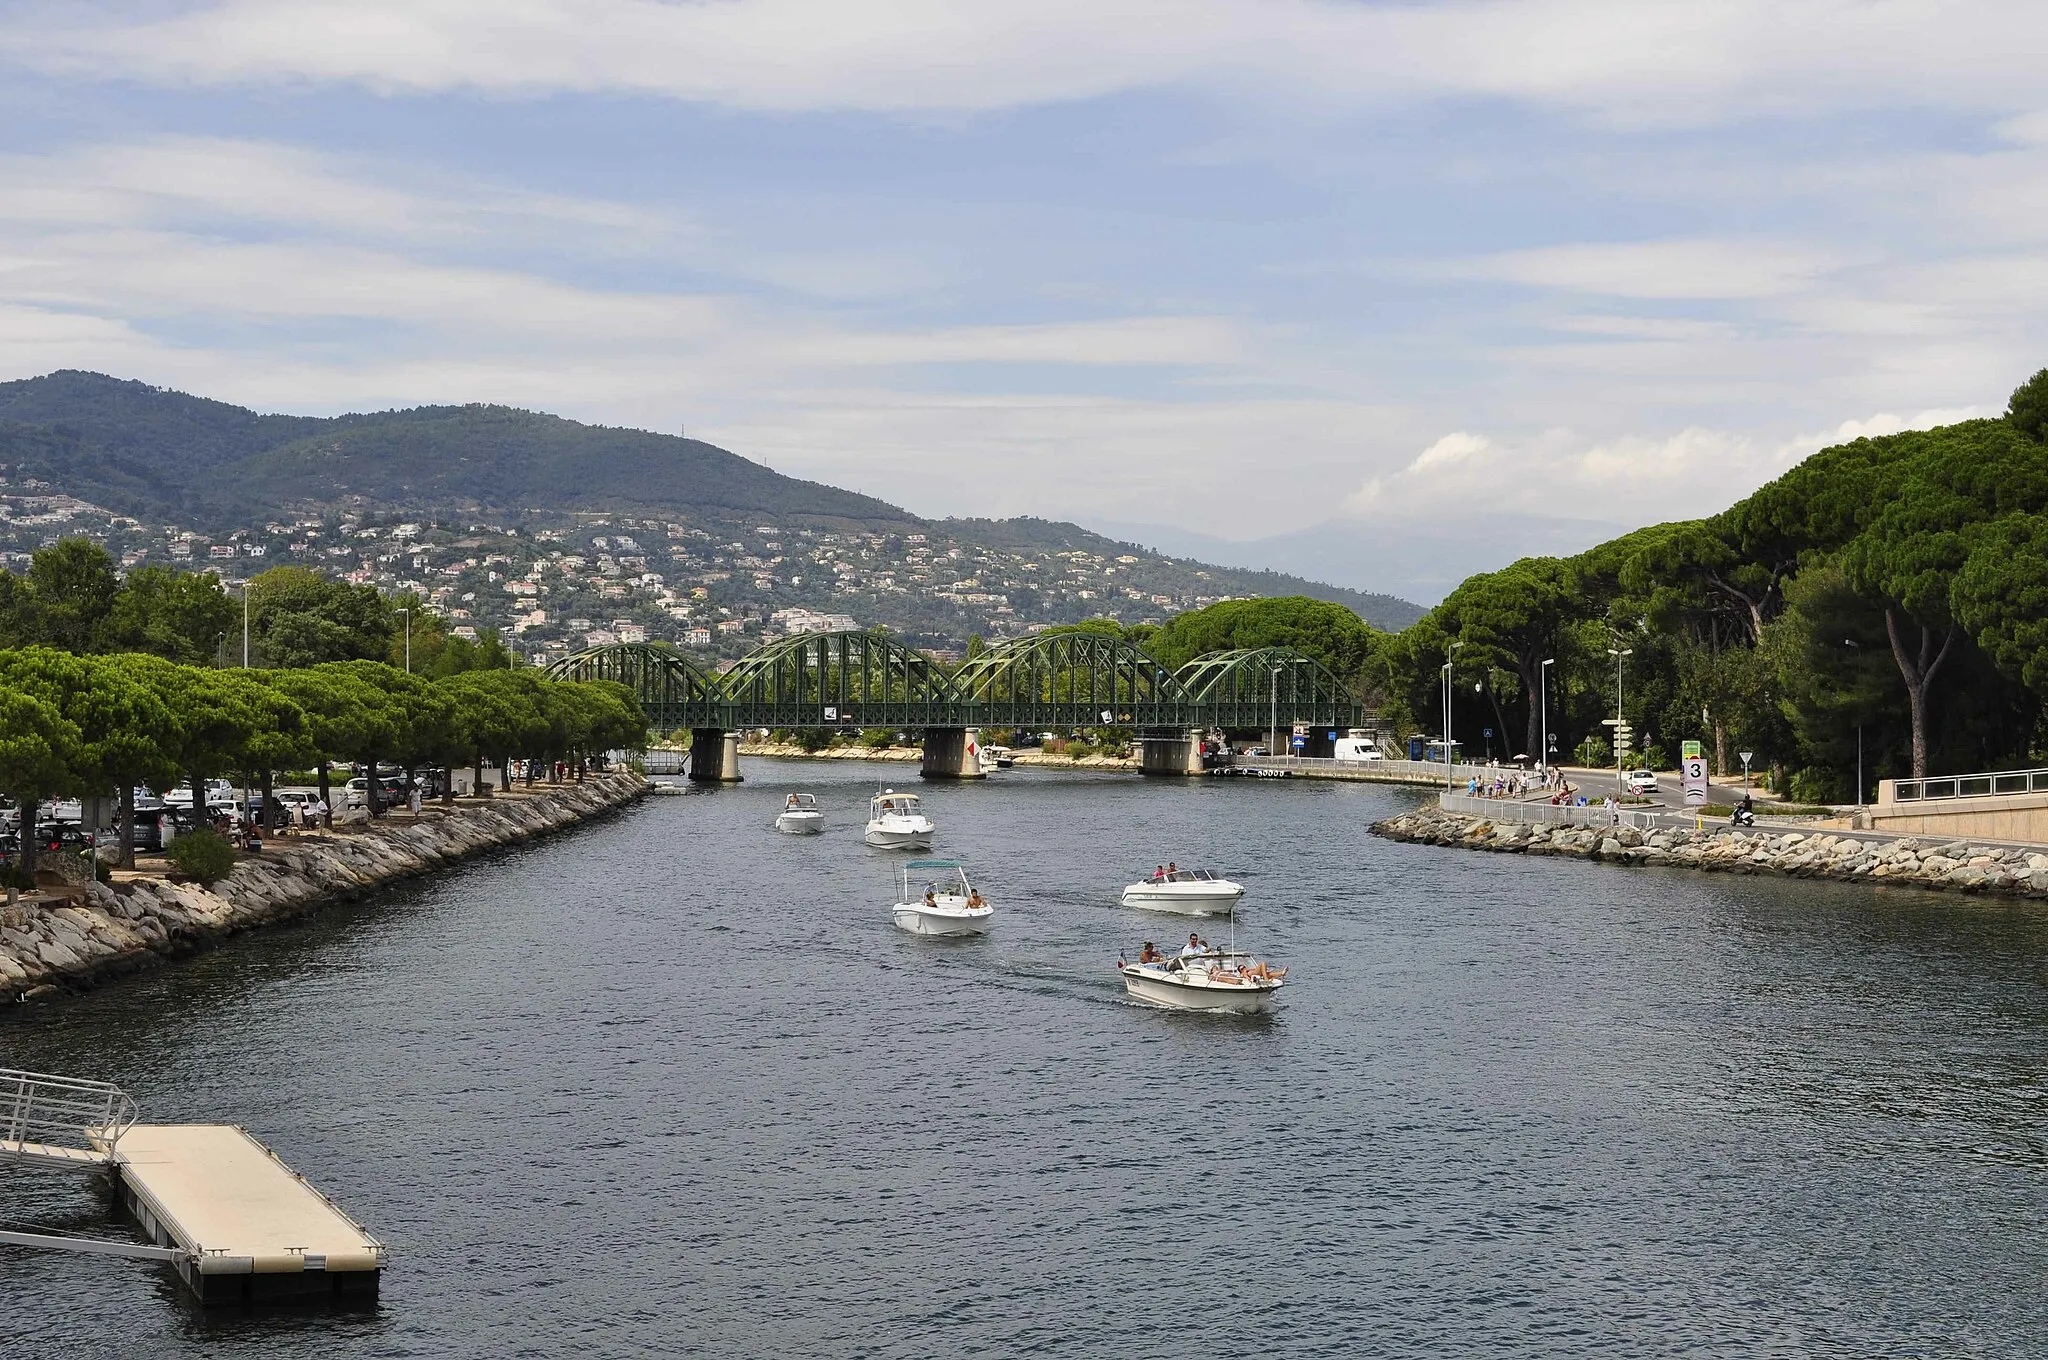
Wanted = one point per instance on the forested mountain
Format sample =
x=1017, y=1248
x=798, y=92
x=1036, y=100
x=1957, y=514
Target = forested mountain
x=1888, y=593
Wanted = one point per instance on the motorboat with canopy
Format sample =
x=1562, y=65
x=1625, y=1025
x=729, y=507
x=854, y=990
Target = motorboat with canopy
x=896, y=821
x=946, y=904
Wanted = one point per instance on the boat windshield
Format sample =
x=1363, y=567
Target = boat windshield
x=805, y=802
x=903, y=804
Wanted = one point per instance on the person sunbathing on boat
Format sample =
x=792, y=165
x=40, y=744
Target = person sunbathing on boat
x=975, y=901
x=1150, y=954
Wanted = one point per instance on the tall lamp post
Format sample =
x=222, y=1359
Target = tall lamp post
x=1450, y=773
x=1851, y=643
x=1543, y=702
x=245, y=625
x=1618, y=655
x=407, y=611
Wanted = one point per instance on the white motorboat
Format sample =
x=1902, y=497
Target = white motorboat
x=949, y=904
x=1191, y=892
x=800, y=816
x=896, y=821
x=1003, y=756
x=1227, y=980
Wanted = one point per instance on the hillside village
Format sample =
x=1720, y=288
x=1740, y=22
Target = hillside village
x=718, y=589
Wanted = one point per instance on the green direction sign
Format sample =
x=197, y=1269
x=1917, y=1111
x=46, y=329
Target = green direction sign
x=1690, y=750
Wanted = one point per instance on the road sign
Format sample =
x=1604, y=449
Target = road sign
x=1747, y=756
x=1301, y=729
x=831, y=714
x=1689, y=749
x=1695, y=778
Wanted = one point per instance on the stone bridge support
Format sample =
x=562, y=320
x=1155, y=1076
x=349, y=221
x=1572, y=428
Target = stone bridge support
x=1170, y=751
x=714, y=756
x=952, y=753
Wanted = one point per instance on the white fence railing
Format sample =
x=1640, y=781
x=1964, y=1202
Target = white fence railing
x=1412, y=771
x=1559, y=814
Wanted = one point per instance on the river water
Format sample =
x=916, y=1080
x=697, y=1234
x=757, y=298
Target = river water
x=671, y=1085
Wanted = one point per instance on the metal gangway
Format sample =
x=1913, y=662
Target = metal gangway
x=69, y=1123
x=62, y=1121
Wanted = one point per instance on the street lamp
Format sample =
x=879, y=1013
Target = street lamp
x=245, y=625
x=1851, y=643
x=1618, y=655
x=1543, y=702
x=1450, y=774
x=407, y=611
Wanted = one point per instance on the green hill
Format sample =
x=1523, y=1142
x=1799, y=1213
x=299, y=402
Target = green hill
x=223, y=472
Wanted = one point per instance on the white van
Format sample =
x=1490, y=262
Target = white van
x=1358, y=747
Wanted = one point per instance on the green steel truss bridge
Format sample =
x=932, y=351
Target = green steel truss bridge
x=1052, y=680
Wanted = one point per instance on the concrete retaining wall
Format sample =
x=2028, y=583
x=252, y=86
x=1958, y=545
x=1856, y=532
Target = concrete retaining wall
x=47, y=947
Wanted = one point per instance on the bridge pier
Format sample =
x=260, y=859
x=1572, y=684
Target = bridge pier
x=952, y=753
x=1170, y=751
x=714, y=756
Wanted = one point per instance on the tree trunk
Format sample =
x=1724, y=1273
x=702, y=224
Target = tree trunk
x=504, y=774
x=371, y=796
x=200, y=822
x=127, y=859
x=1532, y=731
x=28, y=837
x=1918, y=672
x=529, y=773
x=264, y=786
x=483, y=790
x=326, y=788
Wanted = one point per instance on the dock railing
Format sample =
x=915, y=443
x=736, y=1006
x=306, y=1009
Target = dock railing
x=1563, y=814
x=1404, y=771
x=1993, y=784
x=61, y=1121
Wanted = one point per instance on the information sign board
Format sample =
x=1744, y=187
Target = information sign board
x=1695, y=766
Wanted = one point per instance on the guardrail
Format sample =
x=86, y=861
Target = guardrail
x=48, y=1118
x=1558, y=814
x=1416, y=771
x=1992, y=785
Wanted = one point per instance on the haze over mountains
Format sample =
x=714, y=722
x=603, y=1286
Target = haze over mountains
x=167, y=458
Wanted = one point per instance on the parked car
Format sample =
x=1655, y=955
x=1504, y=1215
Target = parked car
x=1640, y=781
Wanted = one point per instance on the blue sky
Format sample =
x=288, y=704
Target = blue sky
x=1469, y=279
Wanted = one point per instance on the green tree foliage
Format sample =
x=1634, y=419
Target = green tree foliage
x=179, y=615
x=301, y=617
x=74, y=585
x=2028, y=410
x=1328, y=632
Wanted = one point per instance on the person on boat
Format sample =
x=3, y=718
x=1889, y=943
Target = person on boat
x=1150, y=954
x=1172, y=868
x=975, y=901
x=791, y=804
x=931, y=898
x=1194, y=948
x=1159, y=873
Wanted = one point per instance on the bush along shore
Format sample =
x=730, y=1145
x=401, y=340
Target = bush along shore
x=95, y=931
x=1922, y=862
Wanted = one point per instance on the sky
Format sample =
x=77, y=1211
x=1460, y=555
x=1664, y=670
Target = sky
x=1387, y=293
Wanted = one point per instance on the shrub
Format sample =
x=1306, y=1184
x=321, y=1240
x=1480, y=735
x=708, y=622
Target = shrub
x=205, y=857
x=814, y=738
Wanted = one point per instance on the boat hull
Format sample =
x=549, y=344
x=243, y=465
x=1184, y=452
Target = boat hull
x=1185, y=899
x=922, y=920
x=800, y=823
x=1163, y=990
x=884, y=836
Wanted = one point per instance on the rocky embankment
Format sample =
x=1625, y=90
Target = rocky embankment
x=53, y=944
x=1956, y=866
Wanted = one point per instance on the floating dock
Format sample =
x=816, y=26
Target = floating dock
x=245, y=1225
x=233, y=1220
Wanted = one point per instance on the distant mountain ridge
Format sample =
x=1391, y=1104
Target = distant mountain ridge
x=164, y=456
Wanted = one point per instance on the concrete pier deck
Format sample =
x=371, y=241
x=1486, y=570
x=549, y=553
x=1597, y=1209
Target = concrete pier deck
x=247, y=1226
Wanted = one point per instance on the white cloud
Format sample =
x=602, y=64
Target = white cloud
x=1682, y=269
x=1620, y=59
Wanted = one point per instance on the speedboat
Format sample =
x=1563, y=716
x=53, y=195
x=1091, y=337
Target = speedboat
x=1228, y=980
x=896, y=821
x=1003, y=757
x=800, y=816
x=1191, y=892
x=949, y=904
